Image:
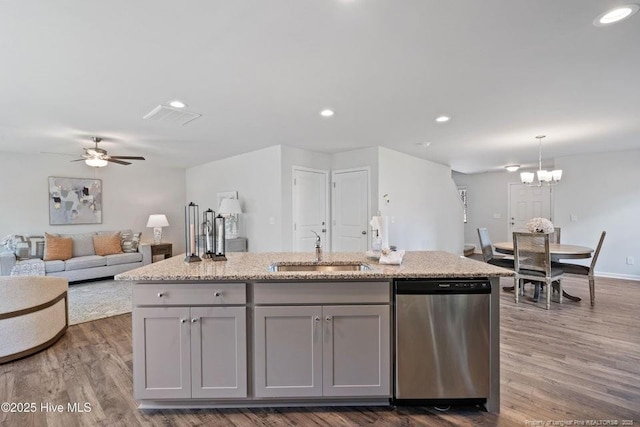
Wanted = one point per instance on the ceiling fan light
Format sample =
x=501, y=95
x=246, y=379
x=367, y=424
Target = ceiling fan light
x=556, y=175
x=526, y=177
x=96, y=162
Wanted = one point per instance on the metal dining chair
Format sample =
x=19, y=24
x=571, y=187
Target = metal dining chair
x=585, y=270
x=487, y=251
x=532, y=262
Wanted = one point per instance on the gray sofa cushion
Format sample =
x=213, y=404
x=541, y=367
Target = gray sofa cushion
x=82, y=244
x=125, y=258
x=53, y=266
x=78, y=263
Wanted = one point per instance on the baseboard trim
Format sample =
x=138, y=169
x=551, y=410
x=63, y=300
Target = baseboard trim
x=633, y=277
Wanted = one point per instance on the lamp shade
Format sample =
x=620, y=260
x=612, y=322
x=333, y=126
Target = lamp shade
x=229, y=206
x=157, y=220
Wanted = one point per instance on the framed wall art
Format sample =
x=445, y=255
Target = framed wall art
x=75, y=201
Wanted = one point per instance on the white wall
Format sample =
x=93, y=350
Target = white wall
x=487, y=194
x=603, y=191
x=130, y=194
x=257, y=178
x=423, y=201
x=607, y=200
x=296, y=157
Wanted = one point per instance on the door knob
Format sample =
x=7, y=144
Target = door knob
x=217, y=293
x=324, y=230
x=194, y=320
x=183, y=320
x=328, y=318
x=317, y=319
x=160, y=294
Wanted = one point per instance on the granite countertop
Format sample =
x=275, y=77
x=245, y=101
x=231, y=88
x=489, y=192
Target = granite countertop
x=255, y=266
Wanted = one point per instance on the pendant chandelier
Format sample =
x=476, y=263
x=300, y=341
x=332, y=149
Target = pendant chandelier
x=544, y=176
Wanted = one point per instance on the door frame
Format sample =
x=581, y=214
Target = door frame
x=509, y=187
x=333, y=201
x=327, y=200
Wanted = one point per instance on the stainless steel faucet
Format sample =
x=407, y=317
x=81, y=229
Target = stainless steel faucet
x=318, y=247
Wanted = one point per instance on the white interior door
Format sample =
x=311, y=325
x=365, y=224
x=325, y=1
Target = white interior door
x=350, y=219
x=527, y=202
x=310, y=208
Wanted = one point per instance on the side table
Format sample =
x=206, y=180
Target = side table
x=165, y=249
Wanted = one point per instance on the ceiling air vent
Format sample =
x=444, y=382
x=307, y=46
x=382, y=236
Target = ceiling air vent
x=166, y=114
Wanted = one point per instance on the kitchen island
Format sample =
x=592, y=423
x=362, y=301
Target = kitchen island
x=237, y=333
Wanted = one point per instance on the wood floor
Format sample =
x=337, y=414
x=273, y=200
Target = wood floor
x=570, y=363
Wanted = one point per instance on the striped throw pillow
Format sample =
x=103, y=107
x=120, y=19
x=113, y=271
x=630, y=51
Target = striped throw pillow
x=130, y=241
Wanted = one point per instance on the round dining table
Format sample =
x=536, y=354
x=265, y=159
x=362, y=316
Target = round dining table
x=557, y=251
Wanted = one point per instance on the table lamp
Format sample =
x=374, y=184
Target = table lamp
x=157, y=221
x=231, y=208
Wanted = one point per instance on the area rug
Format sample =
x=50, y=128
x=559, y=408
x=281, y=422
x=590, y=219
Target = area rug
x=97, y=300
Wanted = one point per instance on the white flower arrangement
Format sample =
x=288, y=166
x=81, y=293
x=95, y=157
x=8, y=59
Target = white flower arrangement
x=540, y=225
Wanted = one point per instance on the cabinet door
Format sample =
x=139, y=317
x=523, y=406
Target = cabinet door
x=161, y=350
x=219, y=351
x=356, y=351
x=288, y=351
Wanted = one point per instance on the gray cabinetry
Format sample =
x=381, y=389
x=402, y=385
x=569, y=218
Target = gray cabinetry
x=161, y=340
x=322, y=350
x=288, y=349
x=189, y=352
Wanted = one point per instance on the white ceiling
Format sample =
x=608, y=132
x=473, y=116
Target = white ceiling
x=259, y=71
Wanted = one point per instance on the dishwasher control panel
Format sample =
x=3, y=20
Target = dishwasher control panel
x=436, y=286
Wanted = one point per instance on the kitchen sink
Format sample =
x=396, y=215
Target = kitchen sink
x=312, y=266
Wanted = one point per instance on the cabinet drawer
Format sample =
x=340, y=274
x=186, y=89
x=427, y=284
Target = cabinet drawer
x=189, y=294
x=322, y=293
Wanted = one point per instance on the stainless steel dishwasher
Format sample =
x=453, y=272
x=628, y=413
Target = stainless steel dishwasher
x=441, y=340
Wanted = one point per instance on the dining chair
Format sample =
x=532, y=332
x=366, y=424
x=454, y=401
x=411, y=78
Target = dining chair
x=487, y=251
x=532, y=262
x=585, y=270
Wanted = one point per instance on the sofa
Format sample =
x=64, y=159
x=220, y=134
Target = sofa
x=84, y=263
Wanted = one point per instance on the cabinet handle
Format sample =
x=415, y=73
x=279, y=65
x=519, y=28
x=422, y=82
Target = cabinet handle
x=194, y=320
x=160, y=294
x=328, y=318
x=217, y=293
x=183, y=320
x=317, y=319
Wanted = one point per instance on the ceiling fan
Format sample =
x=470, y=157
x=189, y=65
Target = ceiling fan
x=97, y=157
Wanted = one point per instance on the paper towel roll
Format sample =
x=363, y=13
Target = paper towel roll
x=383, y=230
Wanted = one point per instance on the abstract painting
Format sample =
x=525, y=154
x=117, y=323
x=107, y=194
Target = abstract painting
x=75, y=201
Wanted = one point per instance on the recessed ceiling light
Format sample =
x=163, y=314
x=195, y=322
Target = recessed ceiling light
x=512, y=168
x=616, y=15
x=327, y=113
x=443, y=119
x=177, y=104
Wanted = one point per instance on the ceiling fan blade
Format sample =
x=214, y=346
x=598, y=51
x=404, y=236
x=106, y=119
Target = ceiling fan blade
x=77, y=160
x=58, y=154
x=120, y=162
x=127, y=157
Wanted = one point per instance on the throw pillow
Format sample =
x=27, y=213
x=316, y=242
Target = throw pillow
x=57, y=248
x=36, y=246
x=130, y=241
x=21, y=244
x=107, y=244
